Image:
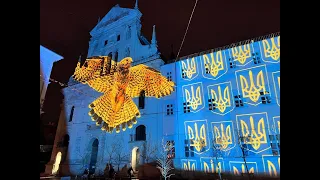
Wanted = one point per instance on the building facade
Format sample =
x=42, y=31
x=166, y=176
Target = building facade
x=224, y=114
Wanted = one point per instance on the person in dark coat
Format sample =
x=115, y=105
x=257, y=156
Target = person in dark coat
x=106, y=171
x=129, y=172
x=111, y=171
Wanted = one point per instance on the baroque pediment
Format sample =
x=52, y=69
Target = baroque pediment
x=114, y=15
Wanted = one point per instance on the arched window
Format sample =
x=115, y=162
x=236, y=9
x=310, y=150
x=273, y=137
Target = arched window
x=141, y=100
x=102, y=67
x=109, y=63
x=71, y=114
x=141, y=133
x=116, y=56
x=94, y=155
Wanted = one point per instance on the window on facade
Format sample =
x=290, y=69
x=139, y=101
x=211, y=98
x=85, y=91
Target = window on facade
x=105, y=42
x=169, y=77
x=118, y=38
x=71, y=114
x=141, y=100
x=275, y=144
x=186, y=148
x=128, y=33
x=169, y=109
x=186, y=107
x=207, y=67
x=109, y=64
x=184, y=74
x=141, y=133
x=189, y=150
x=238, y=101
x=102, y=68
x=256, y=58
x=232, y=63
x=212, y=105
x=265, y=97
x=116, y=56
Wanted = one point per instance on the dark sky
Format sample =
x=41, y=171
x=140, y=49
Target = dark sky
x=65, y=25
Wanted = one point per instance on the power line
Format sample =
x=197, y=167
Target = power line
x=185, y=34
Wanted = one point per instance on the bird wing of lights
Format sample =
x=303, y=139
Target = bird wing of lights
x=144, y=78
x=90, y=73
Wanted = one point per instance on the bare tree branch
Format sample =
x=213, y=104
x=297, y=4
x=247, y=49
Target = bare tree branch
x=150, y=151
x=164, y=163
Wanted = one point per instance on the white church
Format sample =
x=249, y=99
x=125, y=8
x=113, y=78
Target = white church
x=78, y=141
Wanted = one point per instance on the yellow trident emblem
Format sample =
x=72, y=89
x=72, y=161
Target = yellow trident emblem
x=222, y=102
x=241, y=53
x=256, y=138
x=188, y=166
x=197, y=139
x=194, y=98
x=215, y=65
x=223, y=138
x=236, y=171
x=190, y=68
x=272, y=169
x=252, y=92
x=212, y=168
x=273, y=51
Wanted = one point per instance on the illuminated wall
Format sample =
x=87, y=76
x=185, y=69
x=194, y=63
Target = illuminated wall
x=47, y=58
x=226, y=98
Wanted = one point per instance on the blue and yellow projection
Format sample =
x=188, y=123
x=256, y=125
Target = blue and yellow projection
x=193, y=96
x=189, y=165
x=223, y=135
x=228, y=117
x=214, y=65
x=222, y=98
x=253, y=131
x=197, y=133
x=212, y=165
x=271, y=49
x=242, y=55
x=252, y=83
x=271, y=165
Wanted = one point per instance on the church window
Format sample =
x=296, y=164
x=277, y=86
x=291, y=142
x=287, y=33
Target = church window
x=71, y=114
x=141, y=133
x=142, y=100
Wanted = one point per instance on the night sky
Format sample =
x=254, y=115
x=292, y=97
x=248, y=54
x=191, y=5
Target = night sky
x=65, y=27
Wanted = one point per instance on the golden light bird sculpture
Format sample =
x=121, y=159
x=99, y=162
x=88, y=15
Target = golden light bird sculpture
x=119, y=85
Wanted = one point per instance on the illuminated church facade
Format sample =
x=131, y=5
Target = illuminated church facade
x=224, y=114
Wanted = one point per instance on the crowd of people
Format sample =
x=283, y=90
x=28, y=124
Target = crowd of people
x=108, y=172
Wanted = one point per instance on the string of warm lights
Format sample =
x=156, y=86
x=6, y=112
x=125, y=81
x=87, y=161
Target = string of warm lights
x=65, y=85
